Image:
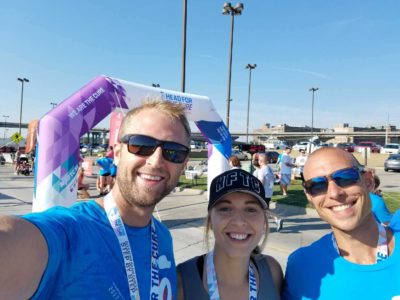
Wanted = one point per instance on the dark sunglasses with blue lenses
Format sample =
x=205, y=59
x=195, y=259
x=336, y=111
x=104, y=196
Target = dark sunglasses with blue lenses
x=343, y=178
x=144, y=145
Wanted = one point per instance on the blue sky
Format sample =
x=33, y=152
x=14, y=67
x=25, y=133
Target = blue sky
x=350, y=50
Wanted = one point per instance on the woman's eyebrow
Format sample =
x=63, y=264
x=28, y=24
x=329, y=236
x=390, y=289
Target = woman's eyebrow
x=224, y=201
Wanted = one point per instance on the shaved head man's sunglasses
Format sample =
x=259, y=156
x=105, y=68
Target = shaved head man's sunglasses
x=343, y=178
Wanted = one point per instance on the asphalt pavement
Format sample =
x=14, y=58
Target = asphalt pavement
x=183, y=212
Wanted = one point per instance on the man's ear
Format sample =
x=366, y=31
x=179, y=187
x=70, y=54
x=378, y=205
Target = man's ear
x=308, y=197
x=185, y=163
x=117, y=153
x=368, y=179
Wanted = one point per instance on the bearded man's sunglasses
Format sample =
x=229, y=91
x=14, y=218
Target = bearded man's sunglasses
x=343, y=178
x=144, y=145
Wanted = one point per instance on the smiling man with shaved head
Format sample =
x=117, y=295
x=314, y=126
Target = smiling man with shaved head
x=358, y=259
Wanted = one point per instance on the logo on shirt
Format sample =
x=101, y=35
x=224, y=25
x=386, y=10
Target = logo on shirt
x=163, y=262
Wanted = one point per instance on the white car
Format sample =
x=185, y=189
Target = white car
x=391, y=149
x=300, y=146
x=275, y=144
x=239, y=154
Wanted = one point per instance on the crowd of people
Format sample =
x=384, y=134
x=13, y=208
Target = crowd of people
x=113, y=247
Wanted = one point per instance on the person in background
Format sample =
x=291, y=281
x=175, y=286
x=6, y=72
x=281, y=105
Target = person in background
x=358, y=259
x=82, y=187
x=255, y=164
x=104, y=179
x=379, y=207
x=395, y=221
x=111, y=248
x=234, y=162
x=285, y=169
x=110, y=152
x=17, y=157
x=267, y=178
x=234, y=268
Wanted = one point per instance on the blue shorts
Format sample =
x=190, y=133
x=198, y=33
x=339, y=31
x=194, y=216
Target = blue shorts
x=113, y=171
x=103, y=172
x=285, y=179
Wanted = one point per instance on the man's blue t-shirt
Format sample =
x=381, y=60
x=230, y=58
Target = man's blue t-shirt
x=85, y=260
x=319, y=272
x=379, y=209
x=395, y=221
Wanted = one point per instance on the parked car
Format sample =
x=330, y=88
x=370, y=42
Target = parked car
x=239, y=154
x=349, y=147
x=374, y=148
x=275, y=144
x=251, y=148
x=392, y=163
x=84, y=148
x=99, y=149
x=302, y=146
x=391, y=149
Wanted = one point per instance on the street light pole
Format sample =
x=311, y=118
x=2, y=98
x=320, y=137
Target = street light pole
x=250, y=67
x=233, y=11
x=23, y=80
x=53, y=103
x=313, y=90
x=5, y=125
x=183, y=79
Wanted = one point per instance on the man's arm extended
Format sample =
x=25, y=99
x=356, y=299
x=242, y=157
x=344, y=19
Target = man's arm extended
x=23, y=258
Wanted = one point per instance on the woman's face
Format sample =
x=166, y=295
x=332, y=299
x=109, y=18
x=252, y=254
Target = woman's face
x=238, y=223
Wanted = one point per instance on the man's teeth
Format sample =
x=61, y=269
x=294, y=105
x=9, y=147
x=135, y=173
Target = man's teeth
x=341, y=207
x=150, y=177
x=238, y=236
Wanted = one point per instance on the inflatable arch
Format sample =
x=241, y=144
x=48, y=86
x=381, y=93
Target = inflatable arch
x=60, y=131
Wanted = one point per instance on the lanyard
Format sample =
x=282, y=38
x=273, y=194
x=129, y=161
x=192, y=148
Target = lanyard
x=381, y=248
x=119, y=230
x=213, y=284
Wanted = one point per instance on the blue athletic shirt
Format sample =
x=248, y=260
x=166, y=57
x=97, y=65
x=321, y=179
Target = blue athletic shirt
x=85, y=260
x=395, y=221
x=318, y=272
x=379, y=208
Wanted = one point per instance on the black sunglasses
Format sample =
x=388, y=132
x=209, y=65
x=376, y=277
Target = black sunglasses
x=144, y=145
x=343, y=178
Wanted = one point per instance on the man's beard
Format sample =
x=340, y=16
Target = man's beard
x=142, y=198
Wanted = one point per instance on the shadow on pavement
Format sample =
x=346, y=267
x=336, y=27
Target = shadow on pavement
x=191, y=222
x=287, y=228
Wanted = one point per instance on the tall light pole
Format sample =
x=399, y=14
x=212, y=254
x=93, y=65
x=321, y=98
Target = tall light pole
x=183, y=81
x=250, y=67
x=233, y=11
x=53, y=104
x=23, y=80
x=313, y=90
x=5, y=125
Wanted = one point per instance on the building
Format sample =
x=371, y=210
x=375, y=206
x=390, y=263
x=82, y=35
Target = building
x=341, y=133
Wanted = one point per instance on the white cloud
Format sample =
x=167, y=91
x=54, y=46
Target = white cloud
x=312, y=73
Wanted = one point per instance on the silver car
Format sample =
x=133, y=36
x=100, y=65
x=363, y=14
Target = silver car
x=392, y=163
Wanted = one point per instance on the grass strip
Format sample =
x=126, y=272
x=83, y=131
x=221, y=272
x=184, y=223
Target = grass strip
x=295, y=193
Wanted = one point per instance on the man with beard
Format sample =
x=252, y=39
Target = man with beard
x=111, y=248
x=358, y=260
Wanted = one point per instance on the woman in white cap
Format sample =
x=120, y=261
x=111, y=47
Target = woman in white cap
x=234, y=268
